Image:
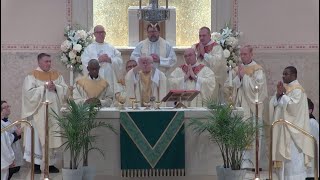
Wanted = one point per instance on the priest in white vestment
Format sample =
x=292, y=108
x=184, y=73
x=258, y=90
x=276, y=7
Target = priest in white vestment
x=108, y=56
x=92, y=88
x=193, y=76
x=210, y=53
x=292, y=151
x=158, y=48
x=40, y=85
x=246, y=77
x=145, y=83
x=7, y=154
x=120, y=89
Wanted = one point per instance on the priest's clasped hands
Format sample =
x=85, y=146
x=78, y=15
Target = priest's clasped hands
x=280, y=89
x=190, y=74
x=104, y=58
x=50, y=86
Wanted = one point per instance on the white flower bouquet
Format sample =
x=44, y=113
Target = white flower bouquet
x=73, y=47
x=229, y=41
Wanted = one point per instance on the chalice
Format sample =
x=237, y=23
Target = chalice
x=136, y=105
x=158, y=103
x=132, y=100
x=148, y=105
x=122, y=101
x=152, y=99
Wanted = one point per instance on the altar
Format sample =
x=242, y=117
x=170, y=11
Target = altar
x=201, y=155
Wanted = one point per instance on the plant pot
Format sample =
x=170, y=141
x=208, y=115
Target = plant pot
x=72, y=174
x=229, y=174
x=89, y=172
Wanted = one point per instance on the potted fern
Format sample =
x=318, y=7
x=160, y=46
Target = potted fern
x=77, y=123
x=232, y=134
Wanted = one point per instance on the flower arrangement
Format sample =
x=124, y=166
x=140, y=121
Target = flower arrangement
x=73, y=47
x=229, y=41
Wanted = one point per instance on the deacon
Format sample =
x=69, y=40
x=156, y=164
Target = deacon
x=40, y=85
x=92, y=88
x=146, y=83
x=292, y=151
x=193, y=76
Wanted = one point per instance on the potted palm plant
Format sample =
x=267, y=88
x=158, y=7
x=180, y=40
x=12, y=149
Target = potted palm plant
x=88, y=139
x=71, y=123
x=77, y=123
x=232, y=134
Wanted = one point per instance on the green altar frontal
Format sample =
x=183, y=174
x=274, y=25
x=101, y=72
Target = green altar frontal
x=152, y=144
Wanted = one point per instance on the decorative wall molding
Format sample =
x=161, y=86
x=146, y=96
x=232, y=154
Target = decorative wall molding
x=40, y=47
x=267, y=47
x=27, y=47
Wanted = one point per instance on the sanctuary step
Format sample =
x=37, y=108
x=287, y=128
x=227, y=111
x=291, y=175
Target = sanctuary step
x=24, y=174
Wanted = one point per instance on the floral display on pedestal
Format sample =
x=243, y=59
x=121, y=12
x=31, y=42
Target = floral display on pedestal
x=73, y=47
x=229, y=40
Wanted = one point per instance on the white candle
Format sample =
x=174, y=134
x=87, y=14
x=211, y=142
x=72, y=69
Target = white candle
x=256, y=94
x=71, y=76
x=46, y=91
x=230, y=76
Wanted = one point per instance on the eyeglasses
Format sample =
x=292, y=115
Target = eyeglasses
x=6, y=107
x=100, y=32
x=188, y=55
x=153, y=32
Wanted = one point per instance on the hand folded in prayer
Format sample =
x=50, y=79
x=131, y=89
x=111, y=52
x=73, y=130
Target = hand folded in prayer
x=280, y=89
x=201, y=49
x=192, y=74
x=18, y=131
x=240, y=71
x=155, y=57
x=104, y=58
x=12, y=165
x=95, y=101
x=51, y=86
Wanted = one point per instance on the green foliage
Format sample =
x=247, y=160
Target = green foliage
x=76, y=124
x=229, y=131
x=211, y=102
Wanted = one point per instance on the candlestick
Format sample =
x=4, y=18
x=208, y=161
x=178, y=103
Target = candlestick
x=46, y=90
x=256, y=94
x=230, y=76
x=71, y=75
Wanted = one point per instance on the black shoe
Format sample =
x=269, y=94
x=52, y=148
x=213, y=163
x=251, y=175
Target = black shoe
x=252, y=169
x=37, y=169
x=53, y=169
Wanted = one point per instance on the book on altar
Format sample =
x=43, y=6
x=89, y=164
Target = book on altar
x=180, y=95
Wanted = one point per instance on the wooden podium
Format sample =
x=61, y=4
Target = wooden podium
x=179, y=96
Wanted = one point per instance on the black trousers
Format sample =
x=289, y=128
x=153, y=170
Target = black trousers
x=12, y=171
x=310, y=178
